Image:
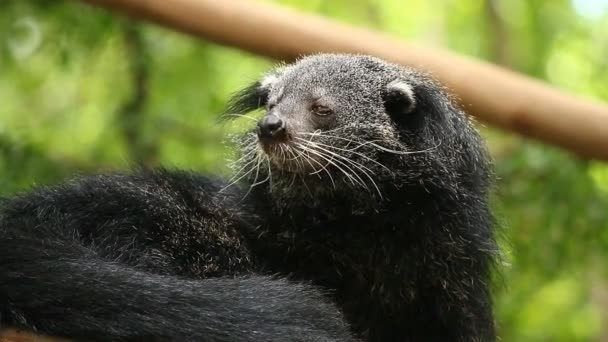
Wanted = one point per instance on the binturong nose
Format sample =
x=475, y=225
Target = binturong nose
x=271, y=129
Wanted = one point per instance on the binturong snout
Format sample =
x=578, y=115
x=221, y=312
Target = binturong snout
x=271, y=129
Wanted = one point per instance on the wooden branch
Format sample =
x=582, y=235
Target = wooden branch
x=12, y=335
x=493, y=94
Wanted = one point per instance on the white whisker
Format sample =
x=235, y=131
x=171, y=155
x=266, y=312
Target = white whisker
x=352, y=151
x=354, y=177
x=323, y=168
x=232, y=182
x=345, y=161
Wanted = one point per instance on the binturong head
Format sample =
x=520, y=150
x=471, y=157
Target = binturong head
x=357, y=126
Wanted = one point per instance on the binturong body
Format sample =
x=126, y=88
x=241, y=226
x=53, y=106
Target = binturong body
x=374, y=185
x=358, y=210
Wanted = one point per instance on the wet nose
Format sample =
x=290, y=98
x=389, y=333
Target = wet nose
x=271, y=128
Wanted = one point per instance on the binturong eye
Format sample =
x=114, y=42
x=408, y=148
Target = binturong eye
x=321, y=110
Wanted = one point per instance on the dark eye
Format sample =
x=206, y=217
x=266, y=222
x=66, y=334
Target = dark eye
x=321, y=110
x=270, y=106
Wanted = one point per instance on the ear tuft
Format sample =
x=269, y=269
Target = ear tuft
x=399, y=99
x=250, y=98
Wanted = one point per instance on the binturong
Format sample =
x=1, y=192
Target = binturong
x=372, y=183
x=358, y=211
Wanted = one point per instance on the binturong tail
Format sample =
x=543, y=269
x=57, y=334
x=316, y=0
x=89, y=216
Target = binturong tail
x=58, y=287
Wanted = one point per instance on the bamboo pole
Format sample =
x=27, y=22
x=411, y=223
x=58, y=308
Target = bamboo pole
x=493, y=94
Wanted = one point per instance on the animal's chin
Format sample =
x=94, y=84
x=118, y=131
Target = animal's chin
x=284, y=157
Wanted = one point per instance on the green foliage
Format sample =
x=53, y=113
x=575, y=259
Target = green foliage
x=82, y=90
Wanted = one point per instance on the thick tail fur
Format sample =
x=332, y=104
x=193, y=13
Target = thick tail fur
x=60, y=287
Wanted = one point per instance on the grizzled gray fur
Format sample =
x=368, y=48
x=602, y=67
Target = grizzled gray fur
x=358, y=210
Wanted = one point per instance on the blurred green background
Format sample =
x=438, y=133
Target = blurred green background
x=82, y=90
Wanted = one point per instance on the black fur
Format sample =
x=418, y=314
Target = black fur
x=245, y=100
x=380, y=206
x=121, y=257
x=406, y=239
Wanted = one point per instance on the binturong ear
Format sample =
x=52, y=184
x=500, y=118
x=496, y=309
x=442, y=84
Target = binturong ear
x=399, y=99
x=250, y=98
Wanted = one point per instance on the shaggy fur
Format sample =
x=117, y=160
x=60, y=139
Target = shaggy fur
x=121, y=258
x=370, y=199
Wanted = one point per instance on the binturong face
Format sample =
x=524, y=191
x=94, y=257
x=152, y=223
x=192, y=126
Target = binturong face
x=337, y=122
